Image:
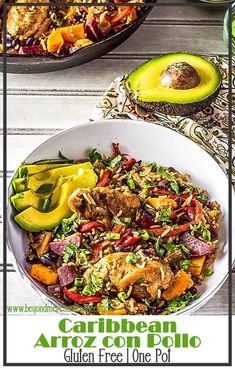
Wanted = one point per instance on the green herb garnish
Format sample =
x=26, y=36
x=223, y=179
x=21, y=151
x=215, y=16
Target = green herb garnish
x=144, y=235
x=180, y=303
x=78, y=282
x=94, y=155
x=113, y=236
x=69, y=252
x=164, y=215
x=46, y=204
x=114, y=162
x=95, y=285
x=130, y=182
x=117, y=221
x=44, y=188
x=61, y=156
x=206, y=234
x=207, y=272
x=105, y=305
x=185, y=264
x=131, y=258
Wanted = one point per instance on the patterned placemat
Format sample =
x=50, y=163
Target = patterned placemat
x=208, y=128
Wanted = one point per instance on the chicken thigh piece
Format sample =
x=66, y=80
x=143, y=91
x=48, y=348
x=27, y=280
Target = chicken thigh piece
x=102, y=203
x=27, y=21
x=114, y=268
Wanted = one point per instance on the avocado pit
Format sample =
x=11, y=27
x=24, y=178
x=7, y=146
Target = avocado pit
x=180, y=76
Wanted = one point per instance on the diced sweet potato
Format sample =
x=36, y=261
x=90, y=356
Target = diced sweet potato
x=196, y=265
x=72, y=33
x=43, y=274
x=55, y=41
x=181, y=283
x=44, y=246
x=161, y=202
x=113, y=312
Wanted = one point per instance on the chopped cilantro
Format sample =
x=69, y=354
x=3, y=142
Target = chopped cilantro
x=185, y=264
x=175, y=187
x=117, y=221
x=180, y=303
x=114, y=162
x=69, y=252
x=130, y=182
x=113, y=236
x=164, y=215
x=61, y=156
x=105, y=305
x=207, y=272
x=131, y=258
x=94, y=285
x=174, y=246
x=94, y=155
x=206, y=234
x=144, y=235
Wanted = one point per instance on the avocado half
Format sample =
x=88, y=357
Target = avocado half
x=144, y=85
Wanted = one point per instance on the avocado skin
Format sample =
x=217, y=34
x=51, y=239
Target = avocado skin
x=173, y=108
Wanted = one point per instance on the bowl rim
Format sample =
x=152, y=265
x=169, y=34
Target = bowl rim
x=29, y=280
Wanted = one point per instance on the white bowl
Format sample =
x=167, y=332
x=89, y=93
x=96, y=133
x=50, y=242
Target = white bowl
x=150, y=143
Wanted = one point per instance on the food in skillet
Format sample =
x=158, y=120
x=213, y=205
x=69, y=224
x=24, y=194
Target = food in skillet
x=114, y=235
x=60, y=31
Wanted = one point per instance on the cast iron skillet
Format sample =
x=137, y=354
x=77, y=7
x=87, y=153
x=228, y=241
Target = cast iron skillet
x=40, y=64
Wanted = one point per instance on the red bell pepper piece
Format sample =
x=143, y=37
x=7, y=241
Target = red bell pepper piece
x=146, y=221
x=124, y=236
x=131, y=240
x=124, y=13
x=161, y=191
x=129, y=164
x=87, y=227
x=81, y=299
x=104, y=178
x=117, y=228
x=183, y=227
x=116, y=149
x=185, y=209
x=159, y=231
x=96, y=249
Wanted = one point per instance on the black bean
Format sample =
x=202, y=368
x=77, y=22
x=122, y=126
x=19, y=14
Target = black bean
x=29, y=41
x=15, y=42
x=65, y=51
x=193, y=290
x=8, y=37
x=163, y=183
x=214, y=232
x=179, y=201
x=156, y=311
x=45, y=260
x=55, y=290
x=123, y=248
x=208, y=204
x=8, y=44
x=67, y=300
x=52, y=255
x=31, y=259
